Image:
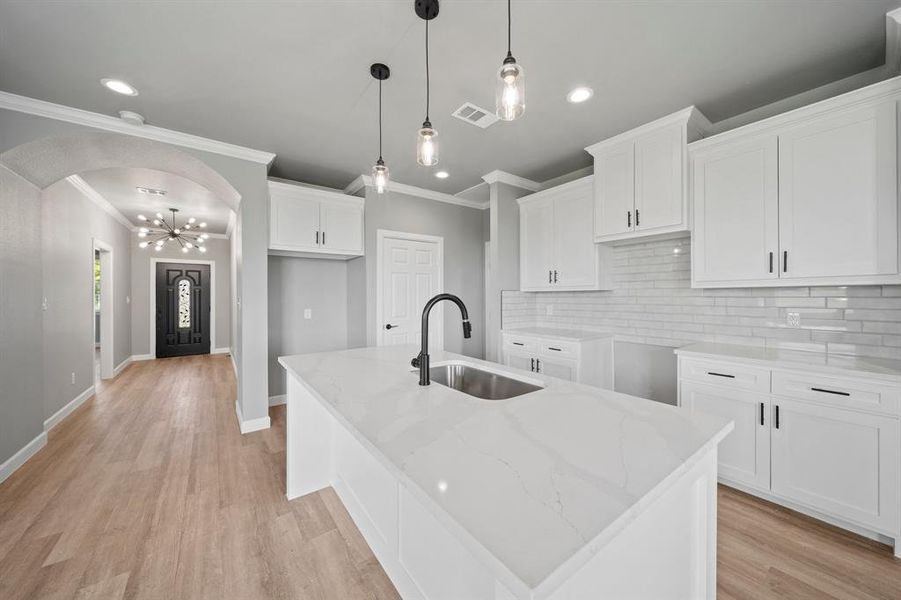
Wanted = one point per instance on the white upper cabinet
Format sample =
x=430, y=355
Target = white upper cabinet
x=816, y=187
x=557, y=250
x=736, y=206
x=314, y=223
x=640, y=178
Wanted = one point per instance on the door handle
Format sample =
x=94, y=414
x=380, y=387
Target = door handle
x=390, y=326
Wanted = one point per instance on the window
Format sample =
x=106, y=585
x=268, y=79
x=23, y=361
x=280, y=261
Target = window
x=96, y=281
x=184, y=303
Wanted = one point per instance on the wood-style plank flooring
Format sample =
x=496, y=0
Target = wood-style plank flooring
x=149, y=491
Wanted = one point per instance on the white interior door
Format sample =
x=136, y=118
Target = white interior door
x=410, y=273
x=838, y=197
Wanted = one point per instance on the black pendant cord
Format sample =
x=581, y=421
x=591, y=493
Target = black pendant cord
x=427, y=90
x=380, y=120
x=509, y=45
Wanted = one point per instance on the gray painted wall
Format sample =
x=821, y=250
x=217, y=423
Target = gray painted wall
x=356, y=303
x=294, y=285
x=218, y=251
x=462, y=230
x=70, y=223
x=21, y=322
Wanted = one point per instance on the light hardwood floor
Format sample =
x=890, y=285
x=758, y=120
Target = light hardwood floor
x=149, y=491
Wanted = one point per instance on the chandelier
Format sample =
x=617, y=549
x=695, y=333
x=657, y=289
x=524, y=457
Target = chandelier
x=165, y=231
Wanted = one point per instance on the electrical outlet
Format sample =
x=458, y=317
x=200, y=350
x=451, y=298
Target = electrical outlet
x=73, y=377
x=308, y=313
x=793, y=319
x=549, y=310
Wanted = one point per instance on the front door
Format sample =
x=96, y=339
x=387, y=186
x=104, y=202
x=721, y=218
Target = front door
x=182, y=309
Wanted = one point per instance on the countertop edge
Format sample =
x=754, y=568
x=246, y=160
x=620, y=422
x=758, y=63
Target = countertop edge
x=514, y=582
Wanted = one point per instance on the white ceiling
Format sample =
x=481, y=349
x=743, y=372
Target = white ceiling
x=117, y=186
x=292, y=77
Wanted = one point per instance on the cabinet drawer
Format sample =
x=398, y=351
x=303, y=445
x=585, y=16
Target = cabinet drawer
x=726, y=374
x=558, y=349
x=518, y=343
x=838, y=391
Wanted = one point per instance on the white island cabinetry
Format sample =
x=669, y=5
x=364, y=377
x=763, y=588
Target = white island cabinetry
x=565, y=493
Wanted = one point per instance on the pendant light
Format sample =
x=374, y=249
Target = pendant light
x=510, y=95
x=426, y=140
x=380, y=169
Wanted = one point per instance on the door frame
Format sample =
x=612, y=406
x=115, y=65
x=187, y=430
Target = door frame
x=381, y=236
x=185, y=261
x=107, y=304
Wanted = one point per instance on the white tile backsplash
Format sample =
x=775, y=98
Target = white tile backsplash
x=653, y=303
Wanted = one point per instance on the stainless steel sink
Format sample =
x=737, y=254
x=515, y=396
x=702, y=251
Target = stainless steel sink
x=479, y=383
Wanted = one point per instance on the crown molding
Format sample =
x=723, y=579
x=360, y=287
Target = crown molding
x=94, y=196
x=77, y=116
x=365, y=181
x=497, y=176
x=690, y=116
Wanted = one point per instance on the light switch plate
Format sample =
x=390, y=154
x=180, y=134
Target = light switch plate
x=793, y=319
x=308, y=313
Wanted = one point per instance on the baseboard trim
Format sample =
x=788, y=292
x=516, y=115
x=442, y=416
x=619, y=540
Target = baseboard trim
x=121, y=366
x=253, y=424
x=234, y=364
x=66, y=410
x=19, y=458
x=278, y=400
x=137, y=357
x=220, y=350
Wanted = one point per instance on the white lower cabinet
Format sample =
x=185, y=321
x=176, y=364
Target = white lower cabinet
x=588, y=360
x=744, y=456
x=826, y=443
x=838, y=461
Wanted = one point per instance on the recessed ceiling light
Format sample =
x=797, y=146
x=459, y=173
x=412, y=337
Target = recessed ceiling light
x=119, y=86
x=580, y=94
x=151, y=191
x=442, y=174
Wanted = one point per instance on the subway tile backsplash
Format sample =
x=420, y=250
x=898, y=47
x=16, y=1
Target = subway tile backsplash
x=653, y=303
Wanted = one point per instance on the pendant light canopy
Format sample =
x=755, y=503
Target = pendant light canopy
x=426, y=139
x=510, y=94
x=380, y=174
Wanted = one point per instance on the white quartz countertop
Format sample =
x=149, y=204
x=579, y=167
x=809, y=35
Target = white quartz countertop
x=554, y=333
x=535, y=485
x=886, y=369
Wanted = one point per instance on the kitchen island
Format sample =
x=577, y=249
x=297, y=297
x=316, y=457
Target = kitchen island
x=568, y=492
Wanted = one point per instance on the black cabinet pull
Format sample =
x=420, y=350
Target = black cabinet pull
x=629, y=219
x=537, y=366
x=533, y=364
x=761, y=413
x=554, y=349
x=777, y=416
x=518, y=344
x=771, y=262
x=317, y=238
x=323, y=238
x=555, y=275
x=726, y=375
x=637, y=218
x=825, y=391
x=785, y=261
x=549, y=277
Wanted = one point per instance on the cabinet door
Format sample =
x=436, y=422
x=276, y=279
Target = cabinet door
x=536, y=239
x=744, y=456
x=838, y=197
x=839, y=461
x=342, y=227
x=614, y=195
x=560, y=368
x=659, y=175
x=293, y=223
x=736, y=204
x=575, y=255
x=519, y=361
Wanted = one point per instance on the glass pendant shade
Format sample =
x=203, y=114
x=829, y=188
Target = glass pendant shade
x=380, y=176
x=510, y=96
x=427, y=146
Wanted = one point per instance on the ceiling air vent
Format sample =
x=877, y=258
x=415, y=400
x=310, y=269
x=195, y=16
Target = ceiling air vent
x=475, y=115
